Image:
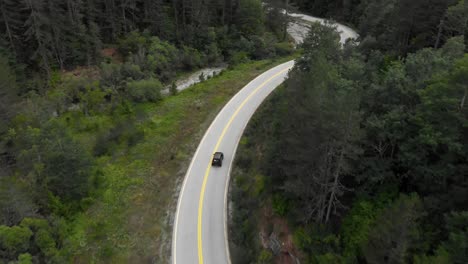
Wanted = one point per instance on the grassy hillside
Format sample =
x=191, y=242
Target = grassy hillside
x=131, y=216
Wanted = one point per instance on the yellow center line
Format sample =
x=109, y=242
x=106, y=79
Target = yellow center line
x=207, y=172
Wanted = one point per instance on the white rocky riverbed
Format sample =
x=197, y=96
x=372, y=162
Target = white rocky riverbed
x=194, y=78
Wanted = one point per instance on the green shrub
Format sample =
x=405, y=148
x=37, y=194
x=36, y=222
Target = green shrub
x=132, y=42
x=356, y=226
x=265, y=257
x=329, y=258
x=131, y=71
x=284, y=48
x=144, y=91
x=25, y=258
x=258, y=185
x=35, y=224
x=46, y=243
x=280, y=204
x=301, y=238
x=124, y=132
x=244, y=158
x=115, y=76
x=67, y=164
x=111, y=76
x=239, y=57
x=173, y=89
x=242, y=44
x=263, y=46
x=213, y=54
x=162, y=58
x=202, y=77
x=64, y=164
x=14, y=239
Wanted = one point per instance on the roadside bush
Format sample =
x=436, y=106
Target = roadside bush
x=244, y=158
x=144, y=90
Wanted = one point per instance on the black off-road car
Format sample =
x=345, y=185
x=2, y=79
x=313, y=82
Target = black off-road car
x=217, y=159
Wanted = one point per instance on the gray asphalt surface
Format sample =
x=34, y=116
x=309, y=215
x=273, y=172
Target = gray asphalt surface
x=200, y=232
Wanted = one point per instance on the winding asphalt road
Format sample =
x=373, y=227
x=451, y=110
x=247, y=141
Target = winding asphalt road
x=200, y=231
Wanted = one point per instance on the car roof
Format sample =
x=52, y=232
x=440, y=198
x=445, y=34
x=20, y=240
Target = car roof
x=218, y=154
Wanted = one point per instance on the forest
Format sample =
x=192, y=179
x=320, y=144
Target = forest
x=362, y=155
x=79, y=84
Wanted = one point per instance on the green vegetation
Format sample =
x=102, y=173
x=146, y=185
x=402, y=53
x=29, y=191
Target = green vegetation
x=397, y=27
x=91, y=153
x=362, y=150
x=125, y=187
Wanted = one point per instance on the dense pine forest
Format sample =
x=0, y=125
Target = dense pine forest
x=362, y=155
x=80, y=89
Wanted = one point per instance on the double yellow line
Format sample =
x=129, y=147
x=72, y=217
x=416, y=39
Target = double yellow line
x=207, y=172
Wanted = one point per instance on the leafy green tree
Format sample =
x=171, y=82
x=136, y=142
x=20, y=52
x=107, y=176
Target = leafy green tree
x=401, y=26
x=441, y=133
x=67, y=165
x=14, y=240
x=144, y=90
x=395, y=232
x=55, y=162
x=92, y=98
x=25, y=258
x=320, y=129
x=322, y=42
x=250, y=20
x=161, y=57
x=453, y=22
x=43, y=238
